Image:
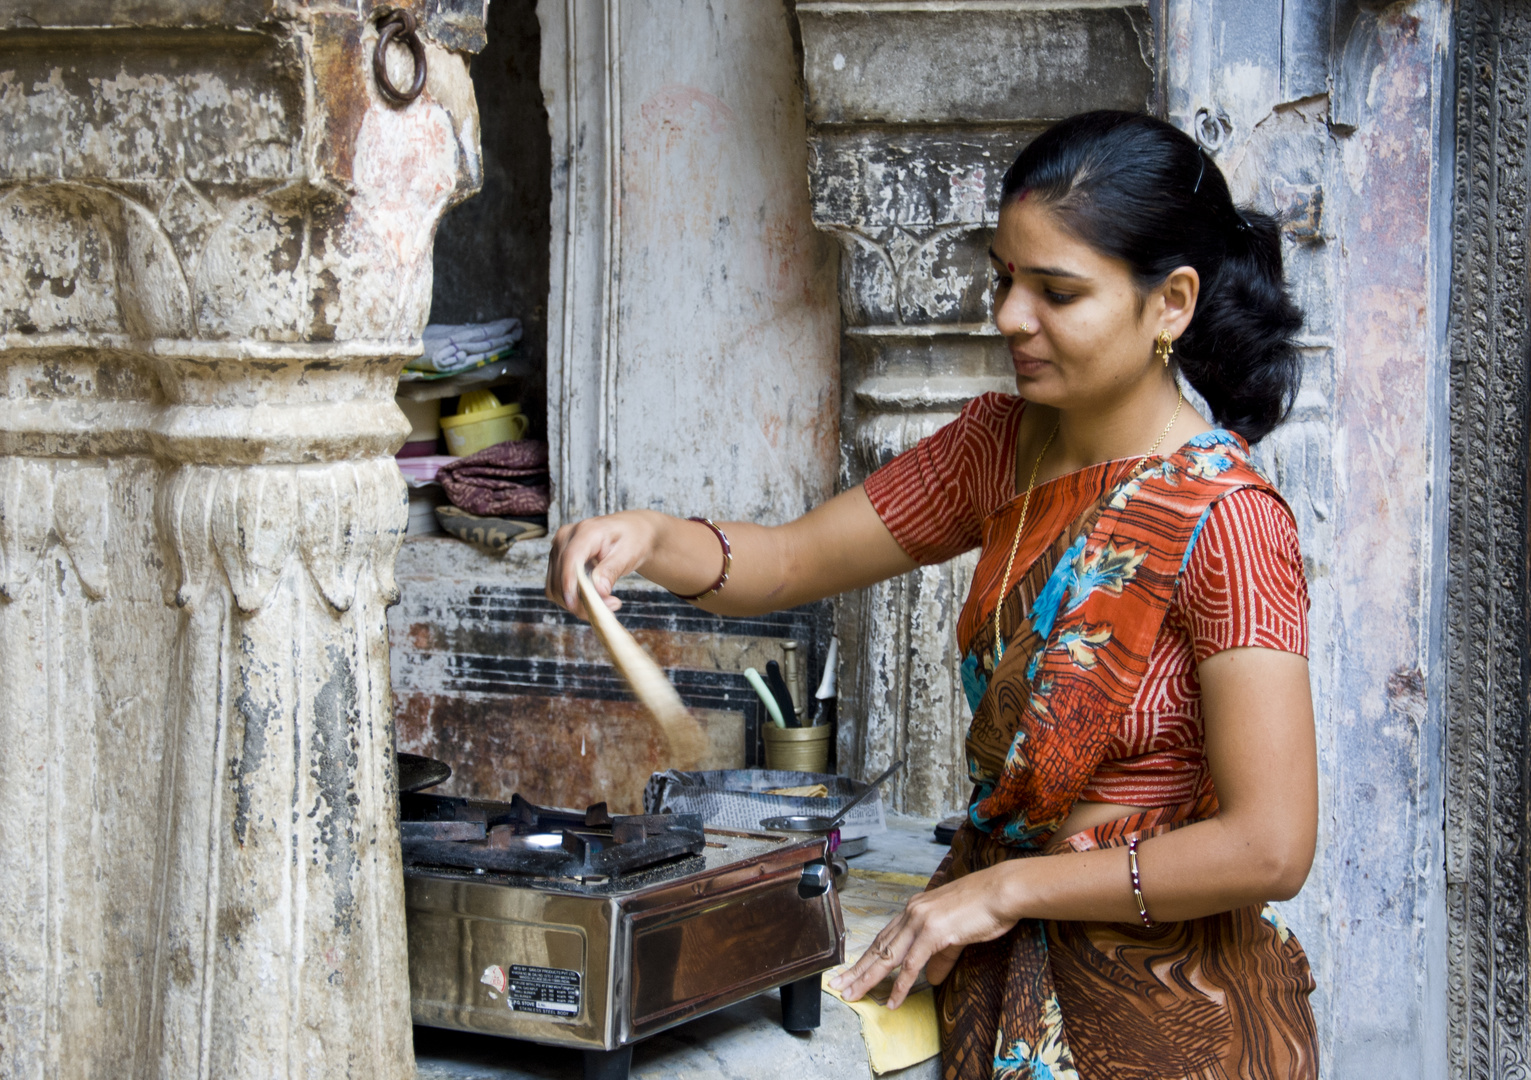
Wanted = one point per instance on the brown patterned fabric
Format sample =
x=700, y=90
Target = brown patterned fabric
x=1224, y=996
x=506, y=478
x=1216, y=998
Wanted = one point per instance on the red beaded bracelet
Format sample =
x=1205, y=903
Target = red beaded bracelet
x=728, y=563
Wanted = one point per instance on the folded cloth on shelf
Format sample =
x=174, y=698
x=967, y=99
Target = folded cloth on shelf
x=420, y=471
x=506, y=478
x=493, y=534
x=458, y=347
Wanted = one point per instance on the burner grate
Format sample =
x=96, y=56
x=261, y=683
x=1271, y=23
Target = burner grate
x=520, y=837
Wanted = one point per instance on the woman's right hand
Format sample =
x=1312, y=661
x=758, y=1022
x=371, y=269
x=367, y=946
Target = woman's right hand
x=610, y=547
x=839, y=545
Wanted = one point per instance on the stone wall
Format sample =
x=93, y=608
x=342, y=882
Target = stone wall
x=1332, y=117
x=215, y=243
x=691, y=368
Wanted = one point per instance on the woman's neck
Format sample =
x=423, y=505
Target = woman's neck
x=1127, y=427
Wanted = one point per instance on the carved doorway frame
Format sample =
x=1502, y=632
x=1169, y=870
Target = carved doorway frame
x=1486, y=604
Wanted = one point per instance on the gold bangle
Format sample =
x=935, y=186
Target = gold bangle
x=728, y=564
x=1137, y=881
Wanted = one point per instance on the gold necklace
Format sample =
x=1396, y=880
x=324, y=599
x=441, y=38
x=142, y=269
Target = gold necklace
x=1004, y=583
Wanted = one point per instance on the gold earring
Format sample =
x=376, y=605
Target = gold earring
x=1164, y=347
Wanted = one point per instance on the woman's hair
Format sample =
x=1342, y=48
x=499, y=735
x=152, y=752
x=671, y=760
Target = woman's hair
x=1136, y=189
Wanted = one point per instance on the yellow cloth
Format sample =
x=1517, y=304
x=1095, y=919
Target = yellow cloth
x=895, y=1038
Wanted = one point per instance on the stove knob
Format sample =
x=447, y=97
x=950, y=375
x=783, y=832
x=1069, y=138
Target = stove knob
x=815, y=880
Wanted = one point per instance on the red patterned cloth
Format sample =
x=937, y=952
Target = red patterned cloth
x=507, y=478
x=1243, y=585
x=1053, y=660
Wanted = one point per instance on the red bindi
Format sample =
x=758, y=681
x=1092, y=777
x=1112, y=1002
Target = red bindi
x=1011, y=266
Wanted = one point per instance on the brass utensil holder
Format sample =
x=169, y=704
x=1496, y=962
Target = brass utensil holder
x=797, y=749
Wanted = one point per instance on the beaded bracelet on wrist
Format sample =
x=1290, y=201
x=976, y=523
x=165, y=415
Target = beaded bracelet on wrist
x=728, y=564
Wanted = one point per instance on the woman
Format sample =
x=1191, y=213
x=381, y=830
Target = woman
x=1142, y=741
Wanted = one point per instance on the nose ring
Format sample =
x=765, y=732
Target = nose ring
x=1026, y=328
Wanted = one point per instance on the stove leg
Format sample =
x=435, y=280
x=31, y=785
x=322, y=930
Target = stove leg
x=800, y=1004
x=608, y=1064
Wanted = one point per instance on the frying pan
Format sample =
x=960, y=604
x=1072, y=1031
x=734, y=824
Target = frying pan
x=817, y=823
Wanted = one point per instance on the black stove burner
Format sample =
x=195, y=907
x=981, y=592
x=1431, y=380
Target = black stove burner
x=521, y=838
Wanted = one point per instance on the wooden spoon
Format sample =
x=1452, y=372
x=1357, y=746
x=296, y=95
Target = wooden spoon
x=684, y=738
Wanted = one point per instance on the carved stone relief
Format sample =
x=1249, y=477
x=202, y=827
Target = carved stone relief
x=910, y=135
x=1486, y=593
x=214, y=252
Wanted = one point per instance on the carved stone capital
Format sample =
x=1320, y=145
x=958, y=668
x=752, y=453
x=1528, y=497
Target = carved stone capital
x=215, y=253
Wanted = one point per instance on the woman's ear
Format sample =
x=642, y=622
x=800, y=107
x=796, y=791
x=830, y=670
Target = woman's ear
x=1178, y=299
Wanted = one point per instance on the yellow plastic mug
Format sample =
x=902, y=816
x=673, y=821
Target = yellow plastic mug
x=469, y=432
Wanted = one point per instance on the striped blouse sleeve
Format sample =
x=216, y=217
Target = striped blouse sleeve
x=928, y=495
x=1244, y=584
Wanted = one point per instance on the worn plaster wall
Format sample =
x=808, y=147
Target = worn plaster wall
x=214, y=251
x=1331, y=115
x=692, y=367
x=692, y=323
x=1328, y=114
x=915, y=111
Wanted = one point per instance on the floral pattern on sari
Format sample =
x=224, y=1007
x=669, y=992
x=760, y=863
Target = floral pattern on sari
x=1077, y=628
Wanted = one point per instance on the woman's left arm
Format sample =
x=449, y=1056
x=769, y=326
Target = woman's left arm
x=1258, y=714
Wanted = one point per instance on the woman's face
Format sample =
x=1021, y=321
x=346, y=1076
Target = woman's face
x=1079, y=332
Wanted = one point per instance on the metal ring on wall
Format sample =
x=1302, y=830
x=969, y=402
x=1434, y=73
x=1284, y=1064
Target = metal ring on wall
x=398, y=25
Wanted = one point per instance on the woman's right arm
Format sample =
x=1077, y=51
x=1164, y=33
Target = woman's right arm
x=839, y=545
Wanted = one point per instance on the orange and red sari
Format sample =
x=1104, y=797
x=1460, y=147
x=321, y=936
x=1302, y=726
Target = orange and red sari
x=1223, y=996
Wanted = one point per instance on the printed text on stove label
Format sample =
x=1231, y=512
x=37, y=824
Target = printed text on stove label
x=551, y=991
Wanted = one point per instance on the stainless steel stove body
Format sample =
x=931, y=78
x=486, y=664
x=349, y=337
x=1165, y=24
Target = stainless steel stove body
x=590, y=949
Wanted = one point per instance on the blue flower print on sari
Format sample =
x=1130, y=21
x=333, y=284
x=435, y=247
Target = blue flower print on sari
x=1125, y=493
x=1195, y=536
x=975, y=681
x=1211, y=453
x=1273, y=917
x=1078, y=576
x=1050, y=1059
x=1045, y=609
x=1109, y=568
x=1082, y=642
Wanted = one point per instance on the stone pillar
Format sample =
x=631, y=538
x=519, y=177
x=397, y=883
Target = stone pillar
x=914, y=114
x=215, y=242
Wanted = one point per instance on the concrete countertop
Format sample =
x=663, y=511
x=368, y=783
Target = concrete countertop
x=742, y=1042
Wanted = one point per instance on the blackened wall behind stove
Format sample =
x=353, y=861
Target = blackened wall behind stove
x=518, y=696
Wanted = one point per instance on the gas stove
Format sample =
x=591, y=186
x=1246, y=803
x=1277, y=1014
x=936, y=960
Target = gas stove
x=594, y=931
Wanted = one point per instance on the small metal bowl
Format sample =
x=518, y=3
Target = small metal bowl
x=810, y=823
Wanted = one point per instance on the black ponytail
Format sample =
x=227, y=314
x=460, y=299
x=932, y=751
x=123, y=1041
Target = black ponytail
x=1136, y=189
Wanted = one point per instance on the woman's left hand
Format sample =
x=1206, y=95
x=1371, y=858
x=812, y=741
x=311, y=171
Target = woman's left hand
x=931, y=933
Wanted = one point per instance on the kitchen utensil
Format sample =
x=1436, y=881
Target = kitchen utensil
x=792, y=671
x=782, y=693
x=825, y=694
x=416, y=773
x=752, y=677
x=817, y=823
x=796, y=749
x=684, y=737
x=424, y=426
x=594, y=930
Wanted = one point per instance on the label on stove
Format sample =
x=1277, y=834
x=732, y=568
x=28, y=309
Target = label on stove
x=550, y=991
